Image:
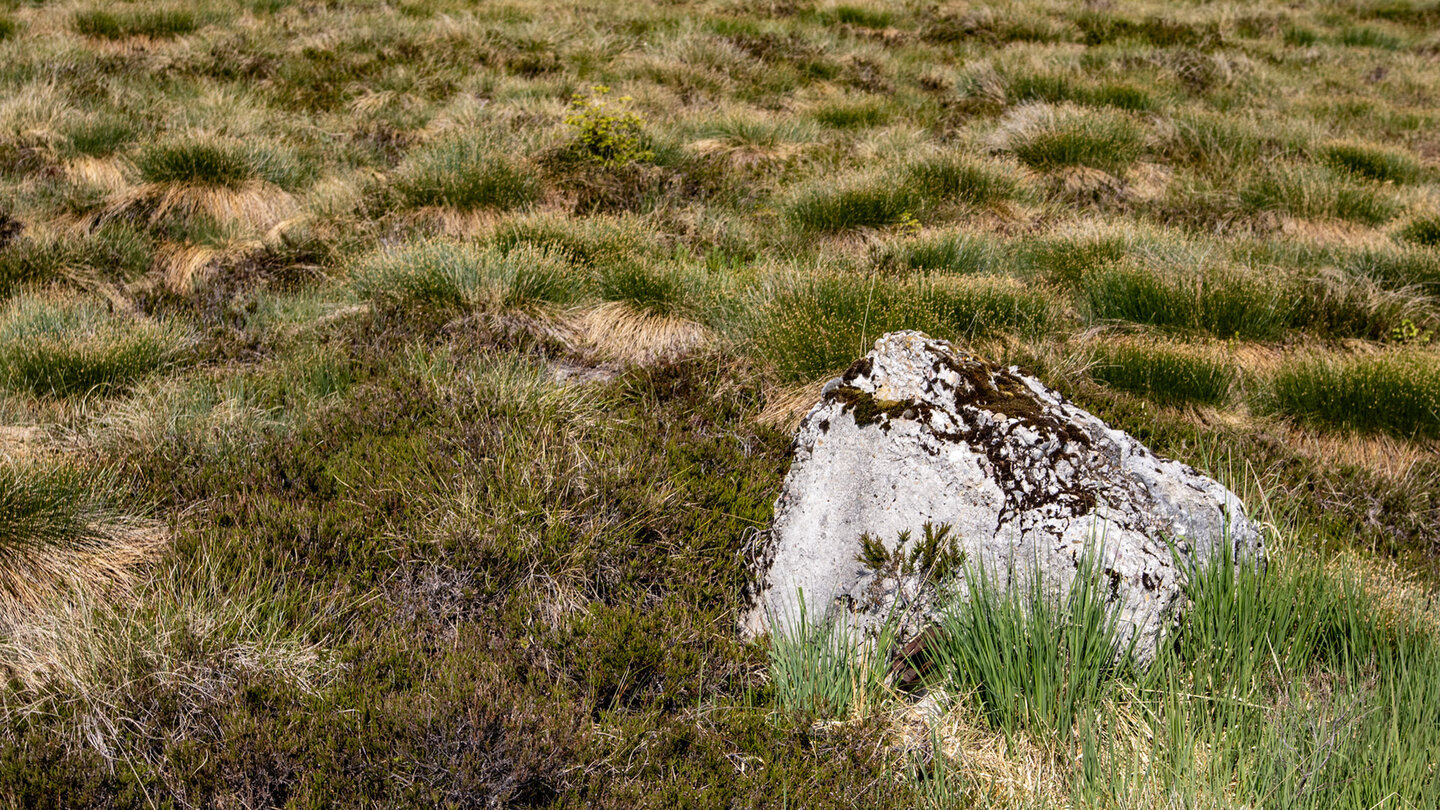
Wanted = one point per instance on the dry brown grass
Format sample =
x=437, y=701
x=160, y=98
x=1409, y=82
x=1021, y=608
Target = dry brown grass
x=180, y=639
x=1393, y=459
x=617, y=332
x=785, y=407
x=256, y=205
x=107, y=174
x=22, y=443
x=106, y=566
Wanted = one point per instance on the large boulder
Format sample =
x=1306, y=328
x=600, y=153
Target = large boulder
x=918, y=438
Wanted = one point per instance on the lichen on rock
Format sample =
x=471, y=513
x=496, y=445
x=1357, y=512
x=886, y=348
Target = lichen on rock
x=919, y=433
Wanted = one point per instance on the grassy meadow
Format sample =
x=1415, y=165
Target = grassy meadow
x=390, y=392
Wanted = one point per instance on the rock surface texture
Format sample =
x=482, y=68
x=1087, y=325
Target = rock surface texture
x=920, y=432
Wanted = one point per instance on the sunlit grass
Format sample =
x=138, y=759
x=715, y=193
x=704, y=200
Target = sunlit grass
x=1397, y=393
x=71, y=346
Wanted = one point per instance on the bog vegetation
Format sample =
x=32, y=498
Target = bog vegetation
x=388, y=391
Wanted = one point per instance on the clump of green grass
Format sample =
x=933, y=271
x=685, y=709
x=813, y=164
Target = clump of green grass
x=657, y=288
x=442, y=276
x=115, y=251
x=197, y=162
x=859, y=114
x=1395, y=393
x=215, y=163
x=1316, y=194
x=953, y=178
x=1423, y=230
x=1299, y=36
x=820, y=325
x=968, y=307
x=100, y=137
x=155, y=23
x=1330, y=303
x=821, y=668
x=1047, y=138
x=1220, y=145
x=1120, y=96
x=591, y=241
x=757, y=133
x=1066, y=259
x=71, y=346
x=1167, y=374
x=8, y=27
x=1361, y=36
x=466, y=175
x=863, y=16
x=1055, y=88
x=954, y=252
x=1223, y=302
x=1035, y=661
x=868, y=201
x=1372, y=162
x=1396, y=267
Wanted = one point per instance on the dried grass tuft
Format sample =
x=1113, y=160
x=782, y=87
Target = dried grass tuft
x=618, y=332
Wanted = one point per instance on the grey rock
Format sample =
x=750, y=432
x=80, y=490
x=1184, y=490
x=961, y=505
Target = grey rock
x=918, y=432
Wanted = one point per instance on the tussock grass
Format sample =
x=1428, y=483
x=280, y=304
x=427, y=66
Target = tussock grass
x=69, y=346
x=466, y=175
x=1309, y=193
x=115, y=251
x=853, y=114
x=594, y=242
x=1067, y=258
x=953, y=178
x=1047, y=138
x=1423, y=231
x=1220, y=144
x=154, y=23
x=440, y=276
x=1364, y=36
x=820, y=325
x=1166, y=373
x=190, y=639
x=948, y=252
x=215, y=180
x=1372, y=162
x=205, y=161
x=1056, y=88
x=1332, y=303
x=656, y=288
x=1224, y=302
x=1396, y=393
x=864, y=16
x=59, y=538
x=866, y=201
x=621, y=332
x=101, y=136
x=756, y=138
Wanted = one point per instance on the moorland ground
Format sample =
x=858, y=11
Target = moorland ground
x=389, y=391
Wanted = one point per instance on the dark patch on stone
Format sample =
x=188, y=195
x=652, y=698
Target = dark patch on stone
x=999, y=391
x=867, y=410
x=824, y=425
x=857, y=369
